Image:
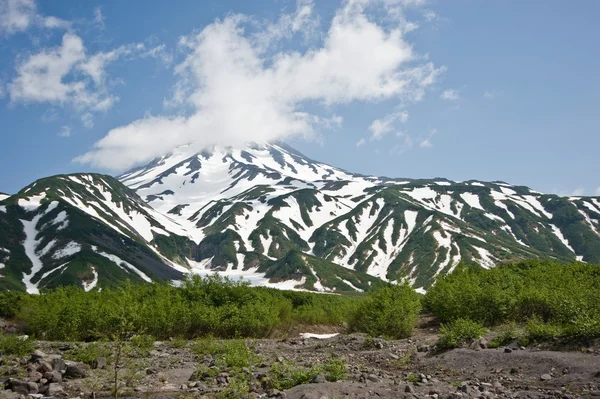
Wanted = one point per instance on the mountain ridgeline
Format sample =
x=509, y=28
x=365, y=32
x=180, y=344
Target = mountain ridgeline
x=277, y=218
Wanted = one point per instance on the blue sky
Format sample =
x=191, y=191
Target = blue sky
x=466, y=89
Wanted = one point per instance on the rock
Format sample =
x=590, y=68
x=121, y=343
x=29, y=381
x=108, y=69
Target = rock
x=373, y=378
x=545, y=377
x=58, y=364
x=37, y=355
x=409, y=389
x=483, y=343
x=45, y=367
x=19, y=386
x=464, y=387
x=423, y=348
x=507, y=350
x=76, y=370
x=393, y=356
x=319, y=379
x=378, y=344
x=151, y=371
x=53, y=376
x=99, y=363
x=34, y=376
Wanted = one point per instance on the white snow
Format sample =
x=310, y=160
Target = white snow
x=486, y=259
x=3, y=197
x=91, y=285
x=70, y=249
x=30, y=243
x=349, y=284
x=443, y=242
x=472, y=200
x=2, y=208
x=561, y=237
x=533, y=201
x=250, y=275
x=476, y=183
x=122, y=264
x=318, y=336
x=53, y=270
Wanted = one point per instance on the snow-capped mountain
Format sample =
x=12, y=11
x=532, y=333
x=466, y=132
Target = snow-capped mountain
x=275, y=217
x=270, y=199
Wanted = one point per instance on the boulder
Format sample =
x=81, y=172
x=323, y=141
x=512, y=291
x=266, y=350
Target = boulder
x=58, y=364
x=76, y=370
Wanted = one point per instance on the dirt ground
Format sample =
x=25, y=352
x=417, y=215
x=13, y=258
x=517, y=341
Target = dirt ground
x=375, y=368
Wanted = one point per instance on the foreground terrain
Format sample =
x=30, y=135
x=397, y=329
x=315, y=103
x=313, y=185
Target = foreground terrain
x=357, y=367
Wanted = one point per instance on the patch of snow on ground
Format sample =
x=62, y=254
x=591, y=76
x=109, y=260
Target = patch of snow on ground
x=70, y=249
x=349, y=284
x=318, y=336
x=47, y=248
x=251, y=275
x=3, y=197
x=485, y=258
x=533, y=201
x=2, y=208
x=30, y=243
x=442, y=183
x=507, y=191
x=579, y=258
x=87, y=287
x=456, y=258
x=60, y=220
x=561, y=237
x=422, y=193
x=120, y=262
x=53, y=270
x=476, y=183
x=380, y=262
x=588, y=220
x=472, y=200
x=421, y=290
x=591, y=207
x=443, y=242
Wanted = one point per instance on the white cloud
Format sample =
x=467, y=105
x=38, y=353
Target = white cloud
x=429, y=15
x=490, y=95
x=65, y=131
x=98, y=17
x=238, y=92
x=578, y=192
x=450, y=95
x=20, y=15
x=381, y=127
x=361, y=142
x=597, y=192
x=68, y=76
x=426, y=142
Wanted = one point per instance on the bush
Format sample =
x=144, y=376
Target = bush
x=554, y=299
x=506, y=334
x=458, y=332
x=15, y=345
x=200, y=307
x=335, y=369
x=286, y=375
x=391, y=311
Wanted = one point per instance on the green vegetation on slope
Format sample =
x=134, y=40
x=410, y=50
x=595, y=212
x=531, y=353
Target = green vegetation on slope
x=555, y=299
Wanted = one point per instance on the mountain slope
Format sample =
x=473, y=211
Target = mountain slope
x=270, y=200
x=90, y=230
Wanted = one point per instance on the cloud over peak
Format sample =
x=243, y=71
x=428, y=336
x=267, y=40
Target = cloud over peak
x=239, y=91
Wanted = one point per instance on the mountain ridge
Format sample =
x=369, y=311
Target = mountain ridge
x=256, y=210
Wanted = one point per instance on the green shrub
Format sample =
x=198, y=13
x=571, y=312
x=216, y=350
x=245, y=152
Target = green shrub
x=228, y=353
x=459, y=331
x=391, y=311
x=539, y=331
x=15, y=345
x=553, y=298
x=142, y=342
x=335, y=369
x=286, y=375
x=88, y=353
x=505, y=335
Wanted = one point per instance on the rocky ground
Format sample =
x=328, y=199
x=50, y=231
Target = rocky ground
x=409, y=368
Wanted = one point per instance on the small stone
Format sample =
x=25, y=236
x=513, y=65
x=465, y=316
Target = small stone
x=34, y=376
x=59, y=364
x=319, y=379
x=545, y=377
x=45, y=367
x=409, y=389
x=151, y=371
x=372, y=378
x=393, y=356
x=99, y=363
x=76, y=370
x=37, y=355
x=507, y=350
